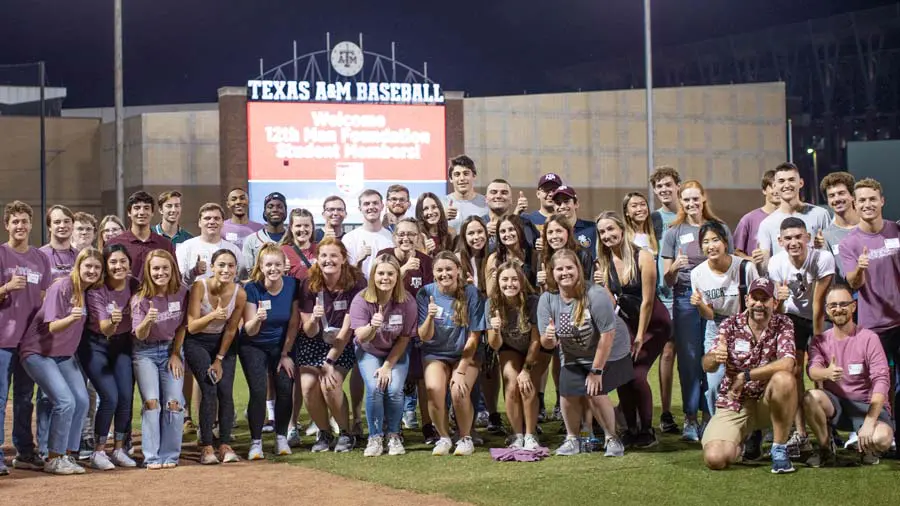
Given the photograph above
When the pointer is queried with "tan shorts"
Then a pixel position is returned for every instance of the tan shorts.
(735, 426)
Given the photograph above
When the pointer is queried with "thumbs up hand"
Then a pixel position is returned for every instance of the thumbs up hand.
(496, 322)
(200, 267)
(429, 244)
(783, 292)
(328, 231)
(539, 244)
(863, 261)
(366, 252)
(220, 313)
(759, 256)
(696, 298)
(681, 261)
(521, 204)
(550, 332)
(432, 307)
(287, 264)
(115, 315)
(152, 313)
(261, 314)
(451, 211)
(721, 350)
(377, 318)
(76, 313)
(318, 310)
(412, 264)
(819, 240)
(835, 372)
(542, 277)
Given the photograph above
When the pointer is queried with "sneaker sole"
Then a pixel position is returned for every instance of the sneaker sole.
(256, 457)
(783, 471)
(27, 467)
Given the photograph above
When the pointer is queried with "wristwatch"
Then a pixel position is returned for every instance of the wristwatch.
(329, 360)
(220, 358)
(596, 371)
(746, 375)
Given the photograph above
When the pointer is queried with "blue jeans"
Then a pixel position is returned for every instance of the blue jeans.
(161, 429)
(713, 379)
(689, 332)
(107, 364)
(11, 370)
(383, 408)
(63, 388)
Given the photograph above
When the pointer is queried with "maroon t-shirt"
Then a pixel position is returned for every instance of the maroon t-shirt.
(413, 280)
(38, 339)
(20, 306)
(337, 304)
(172, 314)
(61, 260)
(101, 302)
(138, 249)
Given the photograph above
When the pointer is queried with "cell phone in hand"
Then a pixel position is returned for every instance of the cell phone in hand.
(212, 375)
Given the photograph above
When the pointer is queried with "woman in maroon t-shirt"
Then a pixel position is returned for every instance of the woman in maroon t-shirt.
(297, 244)
(47, 352)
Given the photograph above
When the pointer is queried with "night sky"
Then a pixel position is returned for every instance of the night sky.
(183, 51)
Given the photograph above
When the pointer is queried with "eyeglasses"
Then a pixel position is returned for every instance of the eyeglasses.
(406, 234)
(335, 210)
(842, 305)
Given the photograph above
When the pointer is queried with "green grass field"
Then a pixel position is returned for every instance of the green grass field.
(671, 473)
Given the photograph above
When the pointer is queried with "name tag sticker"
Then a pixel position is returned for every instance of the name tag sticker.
(742, 346)
(174, 307)
(231, 236)
(33, 278)
(686, 238)
(265, 304)
(340, 305)
(836, 250)
(892, 243)
(855, 369)
(439, 314)
(395, 319)
(110, 307)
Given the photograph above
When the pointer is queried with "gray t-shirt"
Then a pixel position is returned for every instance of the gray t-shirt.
(833, 237)
(513, 336)
(815, 218)
(578, 345)
(686, 237)
(477, 206)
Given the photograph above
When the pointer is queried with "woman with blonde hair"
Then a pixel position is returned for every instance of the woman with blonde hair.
(158, 318)
(681, 252)
(383, 319)
(638, 225)
(47, 352)
(325, 350)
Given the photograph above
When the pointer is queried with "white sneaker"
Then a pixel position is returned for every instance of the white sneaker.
(464, 447)
(395, 445)
(852, 441)
(530, 442)
(375, 447)
(256, 451)
(442, 447)
(518, 442)
(335, 428)
(281, 446)
(59, 465)
(101, 462)
(77, 469)
(120, 458)
(293, 438)
(614, 448)
(312, 430)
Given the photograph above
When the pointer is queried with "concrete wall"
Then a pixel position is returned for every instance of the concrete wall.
(725, 136)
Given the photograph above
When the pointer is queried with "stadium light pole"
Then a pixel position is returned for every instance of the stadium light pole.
(648, 72)
(119, 114)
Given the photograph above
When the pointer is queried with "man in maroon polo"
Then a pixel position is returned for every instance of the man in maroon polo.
(140, 239)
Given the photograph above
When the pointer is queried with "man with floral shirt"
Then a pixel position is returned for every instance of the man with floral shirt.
(759, 389)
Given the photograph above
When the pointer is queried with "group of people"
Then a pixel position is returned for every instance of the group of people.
(445, 303)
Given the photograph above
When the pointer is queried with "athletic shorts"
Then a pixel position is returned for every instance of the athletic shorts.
(803, 331)
(849, 415)
(615, 374)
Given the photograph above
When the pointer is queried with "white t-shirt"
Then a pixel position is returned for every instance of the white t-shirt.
(815, 218)
(187, 253)
(359, 238)
(801, 281)
(477, 206)
(722, 291)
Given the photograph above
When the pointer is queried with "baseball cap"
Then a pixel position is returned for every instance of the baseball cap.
(566, 191)
(550, 178)
(764, 285)
(274, 196)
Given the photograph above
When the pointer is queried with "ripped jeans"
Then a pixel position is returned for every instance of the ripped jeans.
(162, 413)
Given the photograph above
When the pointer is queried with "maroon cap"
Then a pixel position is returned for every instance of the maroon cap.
(550, 179)
(564, 190)
(764, 285)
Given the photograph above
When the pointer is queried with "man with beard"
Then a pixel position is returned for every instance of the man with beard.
(334, 212)
(239, 226)
(397, 205)
(274, 212)
(849, 362)
(194, 255)
(547, 184)
(170, 223)
(59, 250)
(85, 230)
(802, 276)
(362, 243)
(870, 255)
(463, 201)
(838, 190)
(789, 183)
(759, 389)
(140, 240)
(748, 227)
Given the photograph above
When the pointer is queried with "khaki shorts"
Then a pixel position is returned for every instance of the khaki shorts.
(735, 426)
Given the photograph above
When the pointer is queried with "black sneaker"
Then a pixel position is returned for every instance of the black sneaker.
(667, 424)
(430, 434)
(646, 439)
(495, 424)
(628, 439)
(542, 415)
(753, 446)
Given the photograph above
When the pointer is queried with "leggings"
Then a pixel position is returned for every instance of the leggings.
(108, 365)
(200, 351)
(258, 361)
(635, 397)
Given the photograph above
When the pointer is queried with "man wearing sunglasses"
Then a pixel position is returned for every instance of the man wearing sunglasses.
(850, 364)
(802, 276)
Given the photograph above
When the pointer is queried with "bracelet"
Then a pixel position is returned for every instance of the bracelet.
(220, 357)
(329, 360)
